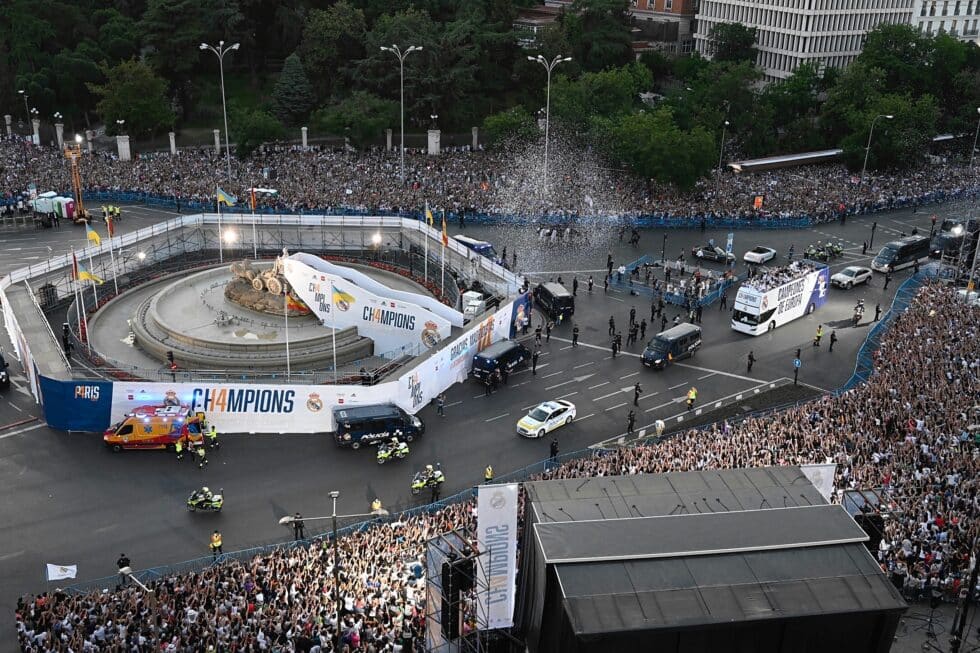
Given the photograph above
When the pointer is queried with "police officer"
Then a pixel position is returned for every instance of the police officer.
(441, 405)
(547, 330)
(833, 339)
(591, 283)
(643, 329)
(212, 437)
(122, 563)
(692, 396)
(750, 360)
(553, 450)
(179, 448)
(202, 456)
(534, 362)
(376, 505)
(575, 336)
(216, 545)
(818, 336)
(574, 286)
(630, 422)
(612, 325)
(488, 474)
(299, 528)
(637, 391)
(632, 315)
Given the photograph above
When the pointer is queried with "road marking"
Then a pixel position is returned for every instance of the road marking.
(455, 403)
(497, 417)
(517, 385)
(543, 365)
(667, 403)
(568, 395)
(584, 365)
(17, 408)
(593, 387)
(706, 376)
(564, 348)
(8, 556)
(579, 419)
(617, 406)
(674, 387)
(628, 376)
(611, 394)
(19, 431)
(531, 406)
(707, 369)
(606, 348)
(577, 379)
(553, 374)
(617, 299)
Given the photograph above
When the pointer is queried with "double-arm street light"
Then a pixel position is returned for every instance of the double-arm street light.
(395, 50)
(27, 112)
(867, 149)
(721, 151)
(548, 66)
(377, 511)
(220, 52)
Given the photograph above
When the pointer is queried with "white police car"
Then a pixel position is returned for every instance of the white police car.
(545, 418)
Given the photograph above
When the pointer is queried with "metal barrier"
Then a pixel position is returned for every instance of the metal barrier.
(674, 298)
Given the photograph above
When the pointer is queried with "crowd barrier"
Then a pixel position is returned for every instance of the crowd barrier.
(652, 221)
(676, 299)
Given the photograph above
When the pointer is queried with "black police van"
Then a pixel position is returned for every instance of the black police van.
(671, 345)
(371, 424)
(506, 354)
(555, 300)
(4, 374)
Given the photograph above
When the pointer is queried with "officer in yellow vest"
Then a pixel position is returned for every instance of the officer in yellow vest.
(488, 474)
(216, 544)
(692, 396)
(105, 212)
(212, 436)
(376, 505)
(179, 448)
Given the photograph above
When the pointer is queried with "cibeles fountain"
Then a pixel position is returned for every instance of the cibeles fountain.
(246, 315)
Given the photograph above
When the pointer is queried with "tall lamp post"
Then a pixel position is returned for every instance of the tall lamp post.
(395, 50)
(376, 511)
(548, 66)
(721, 151)
(27, 112)
(220, 52)
(973, 152)
(867, 149)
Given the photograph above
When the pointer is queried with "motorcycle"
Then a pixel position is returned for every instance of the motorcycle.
(858, 312)
(200, 500)
(389, 450)
(835, 249)
(421, 481)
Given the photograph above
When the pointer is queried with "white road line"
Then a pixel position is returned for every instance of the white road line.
(543, 365)
(617, 299)
(478, 396)
(593, 387)
(628, 376)
(553, 374)
(497, 417)
(666, 403)
(579, 419)
(617, 406)
(455, 403)
(517, 385)
(611, 394)
(558, 385)
(564, 348)
(674, 387)
(649, 396)
(568, 395)
(19, 431)
(706, 376)
(531, 406)
(729, 374)
(584, 365)
(17, 408)
(606, 348)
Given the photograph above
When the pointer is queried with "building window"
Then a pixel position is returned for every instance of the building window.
(932, 9)
(945, 8)
(668, 5)
(956, 8)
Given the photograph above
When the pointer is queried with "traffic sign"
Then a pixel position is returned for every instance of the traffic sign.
(797, 363)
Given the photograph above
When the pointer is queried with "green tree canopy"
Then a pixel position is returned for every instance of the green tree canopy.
(361, 116)
(292, 97)
(598, 33)
(896, 143)
(251, 128)
(332, 39)
(732, 42)
(132, 92)
(514, 123)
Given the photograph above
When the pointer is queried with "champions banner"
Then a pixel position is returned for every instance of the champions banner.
(391, 324)
(496, 525)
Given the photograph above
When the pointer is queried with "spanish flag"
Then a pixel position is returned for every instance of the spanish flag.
(445, 236)
(81, 274)
(109, 227)
(295, 304)
(92, 234)
(428, 214)
(251, 197)
(226, 199)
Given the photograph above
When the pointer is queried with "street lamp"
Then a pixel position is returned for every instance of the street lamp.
(377, 511)
(128, 573)
(974, 150)
(548, 66)
(434, 117)
(721, 152)
(395, 50)
(120, 124)
(27, 112)
(867, 149)
(57, 115)
(220, 52)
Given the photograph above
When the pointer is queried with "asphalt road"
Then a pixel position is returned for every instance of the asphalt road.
(67, 500)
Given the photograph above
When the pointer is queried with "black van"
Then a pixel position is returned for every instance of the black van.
(671, 345)
(555, 300)
(504, 354)
(371, 424)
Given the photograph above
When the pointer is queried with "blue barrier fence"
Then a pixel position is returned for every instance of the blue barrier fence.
(657, 220)
(862, 372)
(677, 299)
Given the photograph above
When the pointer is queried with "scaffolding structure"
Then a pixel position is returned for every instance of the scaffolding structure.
(454, 579)
(74, 154)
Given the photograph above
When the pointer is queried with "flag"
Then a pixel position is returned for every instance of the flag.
(92, 234)
(81, 274)
(58, 572)
(251, 197)
(341, 299)
(445, 236)
(226, 199)
(428, 215)
(109, 226)
(294, 304)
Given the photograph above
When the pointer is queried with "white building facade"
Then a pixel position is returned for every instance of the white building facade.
(793, 32)
(959, 18)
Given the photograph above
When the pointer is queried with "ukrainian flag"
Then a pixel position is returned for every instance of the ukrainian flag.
(92, 234)
(85, 275)
(428, 215)
(226, 199)
(341, 299)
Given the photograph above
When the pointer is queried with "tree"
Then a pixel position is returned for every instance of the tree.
(658, 65)
(132, 92)
(514, 123)
(118, 35)
(174, 53)
(361, 116)
(332, 39)
(607, 94)
(900, 52)
(598, 33)
(732, 42)
(252, 128)
(793, 106)
(897, 143)
(292, 97)
(654, 146)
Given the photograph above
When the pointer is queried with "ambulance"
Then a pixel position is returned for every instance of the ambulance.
(156, 427)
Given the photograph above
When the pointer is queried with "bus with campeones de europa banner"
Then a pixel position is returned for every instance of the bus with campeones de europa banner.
(780, 296)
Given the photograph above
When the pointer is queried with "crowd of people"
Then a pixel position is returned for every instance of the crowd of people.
(910, 437)
(503, 182)
(765, 279)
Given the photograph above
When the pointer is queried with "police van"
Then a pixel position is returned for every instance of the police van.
(555, 300)
(682, 341)
(372, 424)
(506, 354)
(902, 253)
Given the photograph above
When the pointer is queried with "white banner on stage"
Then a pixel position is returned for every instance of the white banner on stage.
(822, 477)
(496, 525)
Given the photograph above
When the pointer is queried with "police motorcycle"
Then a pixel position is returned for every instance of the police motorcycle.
(428, 479)
(816, 252)
(835, 249)
(858, 311)
(206, 500)
(392, 449)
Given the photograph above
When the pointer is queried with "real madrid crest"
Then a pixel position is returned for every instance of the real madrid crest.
(314, 403)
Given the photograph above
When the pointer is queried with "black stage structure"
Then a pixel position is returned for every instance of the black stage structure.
(722, 560)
